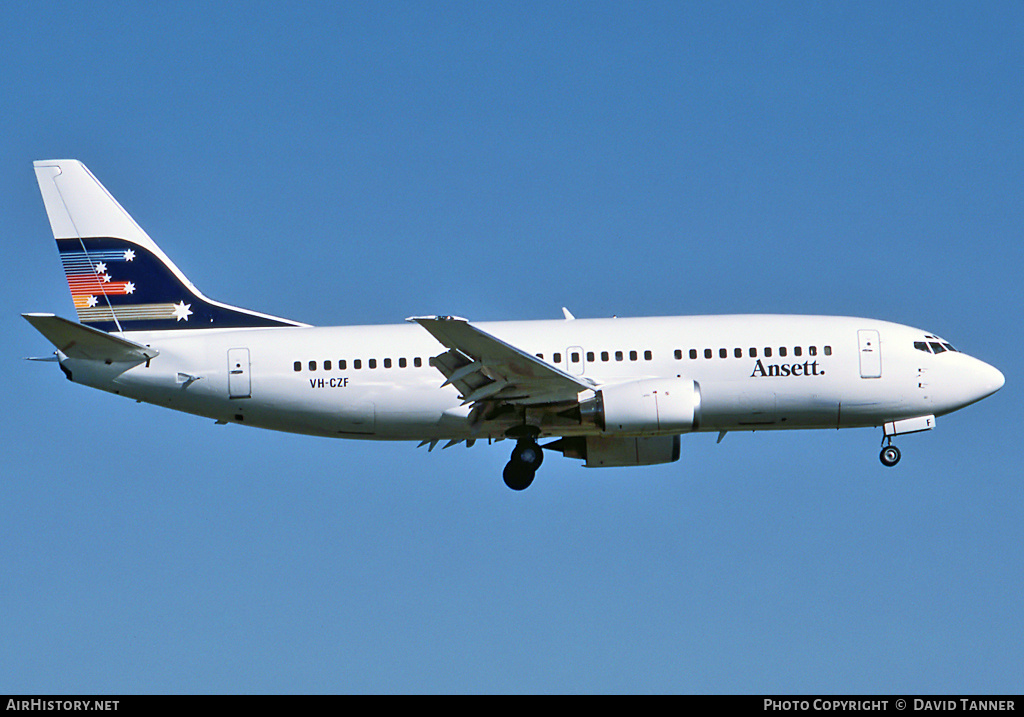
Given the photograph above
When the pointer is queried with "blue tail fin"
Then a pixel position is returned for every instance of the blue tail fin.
(119, 278)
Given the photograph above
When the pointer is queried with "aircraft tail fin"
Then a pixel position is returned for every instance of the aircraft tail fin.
(119, 278)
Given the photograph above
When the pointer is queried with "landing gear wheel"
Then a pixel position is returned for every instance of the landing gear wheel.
(518, 476)
(526, 459)
(889, 456)
(528, 454)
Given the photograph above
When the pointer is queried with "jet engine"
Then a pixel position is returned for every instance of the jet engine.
(657, 406)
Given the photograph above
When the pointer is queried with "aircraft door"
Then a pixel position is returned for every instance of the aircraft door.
(239, 385)
(870, 353)
(574, 361)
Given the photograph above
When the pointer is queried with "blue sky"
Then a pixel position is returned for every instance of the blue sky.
(354, 162)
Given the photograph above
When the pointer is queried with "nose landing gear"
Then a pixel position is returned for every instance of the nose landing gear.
(890, 454)
(521, 468)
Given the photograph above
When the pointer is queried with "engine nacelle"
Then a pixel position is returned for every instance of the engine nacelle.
(619, 451)
(656, 406)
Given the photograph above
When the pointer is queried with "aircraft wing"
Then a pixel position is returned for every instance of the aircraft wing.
(485, 368)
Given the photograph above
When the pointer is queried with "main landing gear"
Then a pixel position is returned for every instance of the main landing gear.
(526, 459)
(890, 454)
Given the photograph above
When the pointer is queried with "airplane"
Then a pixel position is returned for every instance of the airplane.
(607, 391)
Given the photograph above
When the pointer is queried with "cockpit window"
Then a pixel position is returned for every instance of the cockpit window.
(937, 346)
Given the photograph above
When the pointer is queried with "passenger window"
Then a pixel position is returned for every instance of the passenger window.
(357, 363)
(540, 356)
(782, 351)
(557, 358)
(678, 354)
(828, 350)
(767, 351)
(341, 364)
(297, 365)
(723, 353)
(604, 355)
(417, 362)
(708, 353)
(372, 363)
(387, 363)
(402, 363)
(574, 357)
(797, 351)
(590, 356)
(312, 365)
(618, 355)
(327, 365)
(753, 352)
(632, 355)
(648, 356)
(738, 353)
(693, 353)
(812, 350)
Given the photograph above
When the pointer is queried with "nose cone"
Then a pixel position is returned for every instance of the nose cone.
(988, 380)
(963, 380)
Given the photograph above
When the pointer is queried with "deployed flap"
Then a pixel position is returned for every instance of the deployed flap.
(82, 342)
(483, 367)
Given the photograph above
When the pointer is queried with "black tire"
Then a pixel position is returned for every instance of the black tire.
(528, 454)
(517, 476)
(889, 456)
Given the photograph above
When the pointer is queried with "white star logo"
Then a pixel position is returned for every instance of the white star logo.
(182, 311)
(129, 288)
(101, 268)
(91, 301)
(129, 255)
(105, 278)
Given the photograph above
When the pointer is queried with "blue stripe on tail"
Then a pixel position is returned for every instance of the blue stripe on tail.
(117, 285)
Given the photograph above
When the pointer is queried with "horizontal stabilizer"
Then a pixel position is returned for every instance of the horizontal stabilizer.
(82, 342)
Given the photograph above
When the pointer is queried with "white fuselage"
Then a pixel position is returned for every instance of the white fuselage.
(376, 382)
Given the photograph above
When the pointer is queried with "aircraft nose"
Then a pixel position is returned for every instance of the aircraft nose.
(992, 378)
(986, 380)
(969, 380)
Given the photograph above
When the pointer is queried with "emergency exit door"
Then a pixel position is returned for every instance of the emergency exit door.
(574, 363)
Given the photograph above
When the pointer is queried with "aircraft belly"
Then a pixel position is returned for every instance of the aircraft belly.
(725, 407)
(382, 412)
